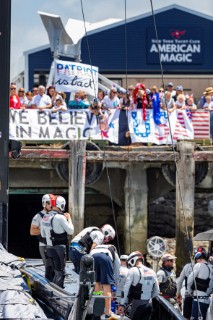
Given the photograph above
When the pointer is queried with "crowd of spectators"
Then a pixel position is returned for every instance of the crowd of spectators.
(135, 97)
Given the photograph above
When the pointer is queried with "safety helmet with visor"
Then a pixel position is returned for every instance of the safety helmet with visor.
(60, 203)
(200, 252)
(133, 258)
(46, 199)
(109, 232)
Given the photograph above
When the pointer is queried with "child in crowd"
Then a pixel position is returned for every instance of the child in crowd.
(180, 103)
(59, 106)
(208, 105)
(102, 117)
(190, 105)
(29, 96)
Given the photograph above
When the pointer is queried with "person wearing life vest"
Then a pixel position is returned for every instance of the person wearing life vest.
(183, 281)
(166, 277)
(107, 265)
(141, 286)
(87, 240)
(55, 227)
(123, 272)
(35, 230)
(200, 285)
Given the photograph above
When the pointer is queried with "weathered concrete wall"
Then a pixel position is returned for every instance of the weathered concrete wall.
(162, 214)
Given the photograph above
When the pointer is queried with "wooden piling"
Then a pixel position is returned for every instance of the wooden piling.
(136, 208)
(77, 170)
(185, 186)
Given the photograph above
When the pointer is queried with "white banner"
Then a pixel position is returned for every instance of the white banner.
(72, 76)
(148, 131)
(83, 124)
(72, 124)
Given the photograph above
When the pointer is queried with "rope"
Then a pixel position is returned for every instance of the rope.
(104, 155)
(177, 169)
(129, 139)
(88, 47)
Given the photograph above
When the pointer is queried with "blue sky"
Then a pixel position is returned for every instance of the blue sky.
(27, 31)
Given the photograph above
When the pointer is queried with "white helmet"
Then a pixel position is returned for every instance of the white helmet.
(133, 257)
(46, 198)
(60, 203)
(109, 232)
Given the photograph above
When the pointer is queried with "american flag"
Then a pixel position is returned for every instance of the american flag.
(180, 129)
(201, 124)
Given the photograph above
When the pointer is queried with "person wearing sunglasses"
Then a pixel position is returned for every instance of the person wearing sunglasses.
(23, 98)
(166, 277)
(14, 98)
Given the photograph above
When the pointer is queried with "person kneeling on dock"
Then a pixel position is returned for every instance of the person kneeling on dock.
(87, 240)
(55, 229)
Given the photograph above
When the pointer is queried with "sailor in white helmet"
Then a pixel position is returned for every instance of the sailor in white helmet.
(141, 286)
(86, 240)
(107, 265)
(35, 230)
(55, 228)
(123, 272)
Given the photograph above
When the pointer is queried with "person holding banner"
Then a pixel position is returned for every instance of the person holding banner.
(41, 100)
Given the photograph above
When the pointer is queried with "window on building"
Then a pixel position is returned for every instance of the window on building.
(41, 77)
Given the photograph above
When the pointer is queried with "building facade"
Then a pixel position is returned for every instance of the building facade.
(185, 40)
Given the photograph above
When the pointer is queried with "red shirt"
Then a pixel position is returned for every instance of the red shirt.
(15, 102)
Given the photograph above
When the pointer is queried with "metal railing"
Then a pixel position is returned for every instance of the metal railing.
(164, 310)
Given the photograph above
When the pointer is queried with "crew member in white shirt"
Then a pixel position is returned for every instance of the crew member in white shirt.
(35, 230)
(202, 276)
(88, 239)
(55, 229)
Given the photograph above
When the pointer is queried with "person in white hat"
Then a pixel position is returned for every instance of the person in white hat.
(166, 277)
(123, 273)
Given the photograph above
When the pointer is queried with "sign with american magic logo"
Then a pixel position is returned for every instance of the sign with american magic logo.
(176, 45)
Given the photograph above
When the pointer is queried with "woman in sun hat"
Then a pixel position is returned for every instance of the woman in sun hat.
(208, 92)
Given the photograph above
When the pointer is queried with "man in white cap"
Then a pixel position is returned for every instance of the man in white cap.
(123, 273)
(166, 277)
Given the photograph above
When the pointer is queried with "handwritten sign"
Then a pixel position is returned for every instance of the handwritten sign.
(72, 76)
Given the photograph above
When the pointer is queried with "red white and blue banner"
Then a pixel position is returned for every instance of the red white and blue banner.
(72, 76)
(83, 124)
